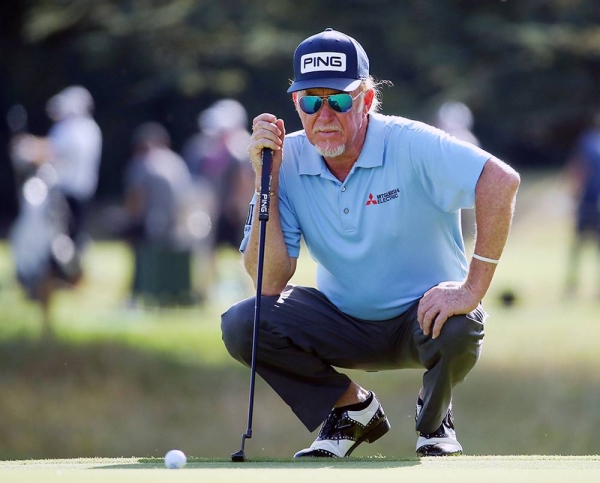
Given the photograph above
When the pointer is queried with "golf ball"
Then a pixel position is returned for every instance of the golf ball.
(175, 459)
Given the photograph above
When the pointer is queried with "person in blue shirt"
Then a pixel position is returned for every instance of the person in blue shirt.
(377, 201)
(583, 169)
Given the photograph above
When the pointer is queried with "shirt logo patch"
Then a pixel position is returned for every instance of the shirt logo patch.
(383, 197)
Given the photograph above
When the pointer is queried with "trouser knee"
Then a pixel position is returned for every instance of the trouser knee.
(237, 328)
(460, 343)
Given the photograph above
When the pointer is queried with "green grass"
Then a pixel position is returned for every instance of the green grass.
(463, 470)
(119, 382)
(98, 310)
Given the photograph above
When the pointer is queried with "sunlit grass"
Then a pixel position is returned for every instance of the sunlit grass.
(99, 309)
(493, 469)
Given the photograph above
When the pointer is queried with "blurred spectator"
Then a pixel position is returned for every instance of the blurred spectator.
(76, 144)
(456, 119)
(158, 191)
(217, 155)
(583, 170)
(57, 177)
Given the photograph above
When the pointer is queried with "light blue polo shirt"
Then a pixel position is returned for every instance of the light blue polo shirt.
(391, 230)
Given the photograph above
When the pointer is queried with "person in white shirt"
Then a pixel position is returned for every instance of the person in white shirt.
(74, 149)
(59, 176)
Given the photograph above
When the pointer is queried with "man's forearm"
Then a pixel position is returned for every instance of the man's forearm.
(278, 266)
(495, 196)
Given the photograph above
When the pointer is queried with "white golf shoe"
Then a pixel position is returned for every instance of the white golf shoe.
(442, 442)
(344, 430)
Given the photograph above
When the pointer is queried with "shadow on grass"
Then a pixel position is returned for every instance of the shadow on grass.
(276, 463)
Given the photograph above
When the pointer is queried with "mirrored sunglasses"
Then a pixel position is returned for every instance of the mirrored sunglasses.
(338, 102)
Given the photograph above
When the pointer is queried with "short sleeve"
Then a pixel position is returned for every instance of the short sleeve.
(447, 167)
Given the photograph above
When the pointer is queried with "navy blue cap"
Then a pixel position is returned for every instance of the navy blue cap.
(330, 60)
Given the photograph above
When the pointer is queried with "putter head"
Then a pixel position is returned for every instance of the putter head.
(238, 457)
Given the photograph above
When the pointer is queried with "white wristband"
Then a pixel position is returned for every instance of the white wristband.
(485, 259)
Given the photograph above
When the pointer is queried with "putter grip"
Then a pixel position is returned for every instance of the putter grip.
(265, 184)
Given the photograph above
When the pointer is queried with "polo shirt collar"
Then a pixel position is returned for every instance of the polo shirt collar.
(371, 154)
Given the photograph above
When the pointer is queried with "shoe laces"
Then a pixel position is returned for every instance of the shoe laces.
(333, 426)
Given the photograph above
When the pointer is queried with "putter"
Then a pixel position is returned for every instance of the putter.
(263, 217)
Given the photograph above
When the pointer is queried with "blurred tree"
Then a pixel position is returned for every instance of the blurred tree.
(530, 71)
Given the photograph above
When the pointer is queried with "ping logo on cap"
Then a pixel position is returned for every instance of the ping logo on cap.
(323, 61)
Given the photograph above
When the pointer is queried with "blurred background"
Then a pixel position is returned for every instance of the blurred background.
(109, 327)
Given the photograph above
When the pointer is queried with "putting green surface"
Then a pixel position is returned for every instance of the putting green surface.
(464, 469)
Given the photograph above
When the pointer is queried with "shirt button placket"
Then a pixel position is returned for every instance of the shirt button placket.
(346, 210)
(346, 222)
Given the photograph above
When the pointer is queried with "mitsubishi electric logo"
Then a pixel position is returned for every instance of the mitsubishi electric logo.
(383, 197)
(322, 61)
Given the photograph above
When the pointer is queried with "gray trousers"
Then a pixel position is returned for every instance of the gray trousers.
(303, 336)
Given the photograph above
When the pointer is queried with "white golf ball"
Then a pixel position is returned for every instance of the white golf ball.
(175, 459)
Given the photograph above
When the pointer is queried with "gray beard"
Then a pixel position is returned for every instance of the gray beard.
(331, 153)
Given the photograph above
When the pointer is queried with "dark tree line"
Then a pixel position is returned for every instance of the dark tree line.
(530, 70)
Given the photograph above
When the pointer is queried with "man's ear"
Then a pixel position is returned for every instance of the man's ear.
(295, 100)
(369, 96)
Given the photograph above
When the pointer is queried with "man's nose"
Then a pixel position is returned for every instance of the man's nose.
(326, 111)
